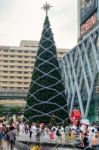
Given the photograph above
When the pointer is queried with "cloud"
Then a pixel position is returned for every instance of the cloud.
(23, 19)
(6, 8)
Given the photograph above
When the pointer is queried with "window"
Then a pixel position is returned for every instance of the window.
(26, 83)
(25, 88)
(61, 53)
(6, 50)
(5, 55)
(11, 82)
(19, 72)
(19, 77)
(11, 87)
(19, 83)
(19, 61)
(26, 72)
(19, 66)
(25, 77)
(12, 51)
(5, 71)
(12, 61)
(19, 88)
(12, 66)
(5, 87)
(5, 61)
(19, 56)
(12, 77)
(25, 56)
(20, 51)
(4, 82)
(26, 67)
(12, 56)
(26, 62)
(26, 51)
(5, 66)
(5, 77)
(12, 71)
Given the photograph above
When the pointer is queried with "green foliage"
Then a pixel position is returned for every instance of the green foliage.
(2, 108)
(15, 110)
(9, 111)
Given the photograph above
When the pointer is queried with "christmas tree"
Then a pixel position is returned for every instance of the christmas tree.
(46, 93)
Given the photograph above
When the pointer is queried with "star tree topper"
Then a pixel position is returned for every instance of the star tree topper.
(46, 7)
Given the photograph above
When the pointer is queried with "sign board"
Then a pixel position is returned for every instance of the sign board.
(87, 9)
(88, 24)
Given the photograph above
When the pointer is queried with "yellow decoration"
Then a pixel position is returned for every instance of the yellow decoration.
(36, 147)
(72, 136)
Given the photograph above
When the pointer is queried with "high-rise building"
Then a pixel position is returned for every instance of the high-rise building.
(16, 66)
(88, 16)
(80, 67)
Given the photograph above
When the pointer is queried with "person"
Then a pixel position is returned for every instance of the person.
(95, 142)
(85, 140)
(81, 137)
(12, 137)
(22, 128)
(91, 135)
(7, 138)
(33, 130)
(26, 128)
(58, 133)
(37, 133)
(30, 132)
(1, 138)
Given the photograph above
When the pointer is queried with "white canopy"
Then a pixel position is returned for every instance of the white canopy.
(85, 121)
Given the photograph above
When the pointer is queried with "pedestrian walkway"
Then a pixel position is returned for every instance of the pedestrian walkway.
(44, 141)
(7, 148)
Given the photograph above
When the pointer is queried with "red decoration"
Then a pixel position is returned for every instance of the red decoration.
(75, 116)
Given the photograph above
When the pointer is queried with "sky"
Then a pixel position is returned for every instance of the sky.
(23, 20)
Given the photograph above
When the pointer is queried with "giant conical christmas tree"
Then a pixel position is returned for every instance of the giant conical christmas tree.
(46, 93)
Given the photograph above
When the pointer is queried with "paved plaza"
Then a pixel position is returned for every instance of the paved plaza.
(7, 148)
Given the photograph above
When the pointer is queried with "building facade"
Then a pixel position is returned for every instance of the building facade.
(80, 67)
(88, 16)
(16, 66)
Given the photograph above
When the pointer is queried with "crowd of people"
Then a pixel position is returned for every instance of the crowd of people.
(81, 135)
(7, 136)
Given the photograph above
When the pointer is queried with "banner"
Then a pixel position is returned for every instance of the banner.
(88, 24)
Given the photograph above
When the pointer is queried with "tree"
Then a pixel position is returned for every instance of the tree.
(2, 109)
(15, 110)
(46, 93)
